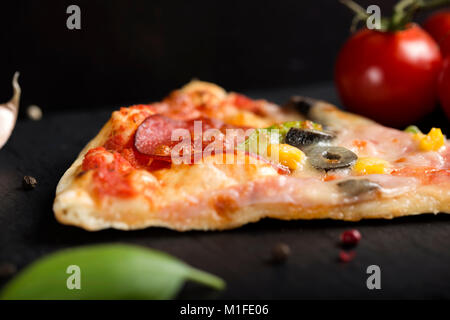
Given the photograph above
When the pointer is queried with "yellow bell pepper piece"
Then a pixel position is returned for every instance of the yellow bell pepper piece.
(432, 141)
(286, 154)
(368, 165)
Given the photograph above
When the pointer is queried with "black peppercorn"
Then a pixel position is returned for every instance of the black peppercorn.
(280, 253)
(29, 182)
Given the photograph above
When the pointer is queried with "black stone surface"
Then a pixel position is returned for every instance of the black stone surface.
(413, 253)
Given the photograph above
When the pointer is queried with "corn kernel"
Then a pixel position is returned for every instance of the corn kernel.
(432, 141)
(367, 165)
(287, 155)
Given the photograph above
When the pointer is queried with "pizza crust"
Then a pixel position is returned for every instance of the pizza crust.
(218, 197)
(217, 213)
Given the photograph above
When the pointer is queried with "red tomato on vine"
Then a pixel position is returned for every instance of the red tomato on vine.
(389, 75)
(438, 26)
(444, 86)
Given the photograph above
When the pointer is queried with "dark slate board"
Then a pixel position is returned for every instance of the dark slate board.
(413, 253)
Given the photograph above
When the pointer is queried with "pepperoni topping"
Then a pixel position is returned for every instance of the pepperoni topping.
(154, 136)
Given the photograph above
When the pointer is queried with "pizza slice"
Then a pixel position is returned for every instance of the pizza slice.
(206, 159)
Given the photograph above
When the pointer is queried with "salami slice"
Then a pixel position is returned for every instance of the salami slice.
(154, 136)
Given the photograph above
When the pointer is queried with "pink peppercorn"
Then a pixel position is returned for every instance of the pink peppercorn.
(346, 256)
(350, 237)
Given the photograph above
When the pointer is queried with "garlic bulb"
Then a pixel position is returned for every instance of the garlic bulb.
(8, 113)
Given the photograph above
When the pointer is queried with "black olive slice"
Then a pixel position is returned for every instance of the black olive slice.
(301, 138)
(300, 104)
(356, 187)
(330, 157)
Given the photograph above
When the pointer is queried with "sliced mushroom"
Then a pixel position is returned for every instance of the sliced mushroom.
(356, 187)
(302, 138)
(8, 113)
(330, 157)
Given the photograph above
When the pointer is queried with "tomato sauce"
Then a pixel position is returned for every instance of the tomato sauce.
(113, 163)
(111, 172)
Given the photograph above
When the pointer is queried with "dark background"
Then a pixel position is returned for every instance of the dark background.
(138, 51)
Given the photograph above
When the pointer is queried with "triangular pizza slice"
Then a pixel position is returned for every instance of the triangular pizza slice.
(206, 159)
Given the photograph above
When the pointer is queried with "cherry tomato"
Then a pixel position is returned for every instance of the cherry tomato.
(444, 86)
(445, 46)
(438, 26)
(389, 76)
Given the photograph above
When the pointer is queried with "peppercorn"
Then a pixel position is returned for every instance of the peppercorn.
(280, 253)
(350, 237)
(346, 256)
(34, 113)
(29, 182)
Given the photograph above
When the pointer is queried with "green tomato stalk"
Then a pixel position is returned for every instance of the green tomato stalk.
(403, 14)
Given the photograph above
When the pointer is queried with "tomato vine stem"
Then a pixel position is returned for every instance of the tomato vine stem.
(403, 14)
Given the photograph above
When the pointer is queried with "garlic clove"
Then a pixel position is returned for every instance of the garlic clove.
(8, 112)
